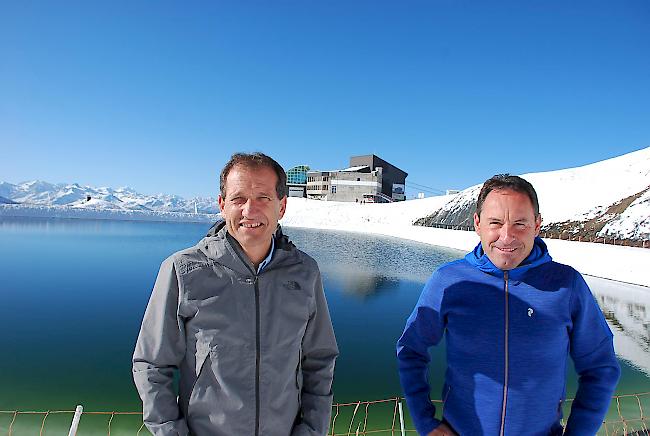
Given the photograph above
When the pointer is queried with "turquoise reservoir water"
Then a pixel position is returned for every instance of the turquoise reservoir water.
(73, 293)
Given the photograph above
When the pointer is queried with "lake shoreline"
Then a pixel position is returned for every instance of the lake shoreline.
(614, 262)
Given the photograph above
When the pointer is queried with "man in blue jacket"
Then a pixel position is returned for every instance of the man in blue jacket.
(510, 317)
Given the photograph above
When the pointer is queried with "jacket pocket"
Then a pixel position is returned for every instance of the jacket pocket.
(204, 345)
(445, 397)
(204, 354)
(299, 376)
(557, 429)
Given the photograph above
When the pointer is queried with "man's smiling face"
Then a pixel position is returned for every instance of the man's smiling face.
(251, 207)
(507, 227)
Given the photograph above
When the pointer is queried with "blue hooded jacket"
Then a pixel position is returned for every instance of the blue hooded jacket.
(508, 335)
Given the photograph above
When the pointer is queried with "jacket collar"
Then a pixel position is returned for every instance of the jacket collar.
(221, 247)
(538, 256)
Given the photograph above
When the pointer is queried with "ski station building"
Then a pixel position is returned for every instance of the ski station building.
(368, 179)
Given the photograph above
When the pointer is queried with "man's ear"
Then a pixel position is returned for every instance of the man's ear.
(221, 202)
(476, 222)
(538, 223)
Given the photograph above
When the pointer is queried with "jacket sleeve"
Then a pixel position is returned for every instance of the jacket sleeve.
(592, 351)
(319, 352)
(158, 352)
(424, 329)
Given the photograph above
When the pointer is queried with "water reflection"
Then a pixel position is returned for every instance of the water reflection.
(367, 264)
(362, 284)
(626, 308)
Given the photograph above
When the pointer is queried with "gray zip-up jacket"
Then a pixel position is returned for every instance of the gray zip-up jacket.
(255, 352)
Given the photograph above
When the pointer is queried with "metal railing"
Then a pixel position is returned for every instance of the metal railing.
(624, 422)
(386, 417)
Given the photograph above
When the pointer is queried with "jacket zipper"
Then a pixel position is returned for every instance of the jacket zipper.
(505, 379)
(257, 358)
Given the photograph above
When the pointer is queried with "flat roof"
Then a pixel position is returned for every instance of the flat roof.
(350, 170)
(357, 168)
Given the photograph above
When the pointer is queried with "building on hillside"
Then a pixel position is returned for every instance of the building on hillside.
(297, 181)
(368, 179)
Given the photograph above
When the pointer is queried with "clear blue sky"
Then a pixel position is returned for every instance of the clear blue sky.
(156, 95)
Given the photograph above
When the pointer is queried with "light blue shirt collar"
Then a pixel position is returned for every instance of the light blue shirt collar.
(268, 257)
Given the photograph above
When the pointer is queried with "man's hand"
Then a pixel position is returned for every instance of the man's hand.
(442, 430)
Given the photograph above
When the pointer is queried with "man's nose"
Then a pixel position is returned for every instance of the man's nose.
(506, 233)
(248, 207)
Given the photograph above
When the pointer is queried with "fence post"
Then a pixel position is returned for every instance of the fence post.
(401, 417)
(75, 420)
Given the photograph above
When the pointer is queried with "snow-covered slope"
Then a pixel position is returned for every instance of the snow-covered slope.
(581, 192)
(332, 215)
(634, 221)
(612, 197)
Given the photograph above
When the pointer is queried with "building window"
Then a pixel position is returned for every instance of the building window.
(333, 189)
(297, 175)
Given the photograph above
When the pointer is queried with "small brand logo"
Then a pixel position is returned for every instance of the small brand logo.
(291, 285)
(530, 311)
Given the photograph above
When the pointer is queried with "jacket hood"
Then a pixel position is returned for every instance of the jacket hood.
(215, 228)
(538, 256)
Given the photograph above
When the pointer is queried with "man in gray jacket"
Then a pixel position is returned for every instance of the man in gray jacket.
(242, 317)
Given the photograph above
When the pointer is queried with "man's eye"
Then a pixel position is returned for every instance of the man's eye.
(237, 200)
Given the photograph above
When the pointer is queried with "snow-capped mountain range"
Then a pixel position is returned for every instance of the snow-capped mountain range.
(609, 198)
(39, 193)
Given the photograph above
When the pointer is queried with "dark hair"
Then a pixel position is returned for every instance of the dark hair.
(255, 160)
(506, 181)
